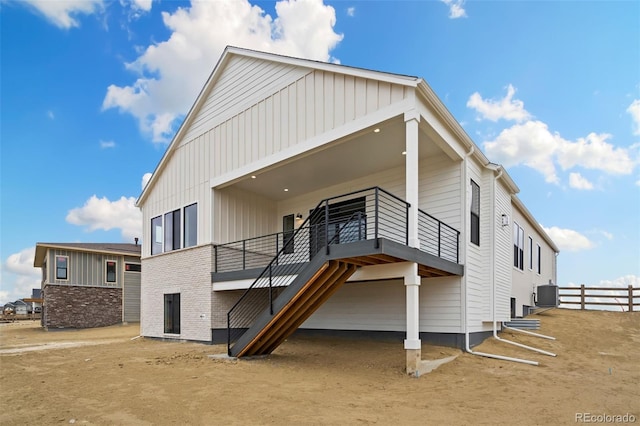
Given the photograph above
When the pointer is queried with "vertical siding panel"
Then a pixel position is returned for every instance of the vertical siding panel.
(223, 150)
(339, 102)
(262, 130)
(284, 118)
(235, 142)
(268, 120)
(309, 106)
(360, 94)
(349, 99)
(255, 134)
(248, 144)
(301, 115)
(372, 96)
(319, 101)
(397, 93)
(328, 101)
(242, 139)
(277, 124)
(384, 94)
(293, 128)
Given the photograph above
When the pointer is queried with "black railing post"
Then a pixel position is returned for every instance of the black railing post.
(359, 226)
(278, 245)
(244, 254)
(229, 333)
(377, 210)
(439, 237)
(270, 290)
(458, 247)
(326, 225)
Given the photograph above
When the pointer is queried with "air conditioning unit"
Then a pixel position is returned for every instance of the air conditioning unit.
(547, 296)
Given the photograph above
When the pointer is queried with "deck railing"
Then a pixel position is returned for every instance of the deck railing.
(383, 215)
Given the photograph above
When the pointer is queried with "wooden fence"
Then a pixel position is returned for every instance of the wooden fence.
(615, 296)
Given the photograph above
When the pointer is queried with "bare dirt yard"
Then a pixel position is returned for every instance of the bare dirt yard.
(104, 377)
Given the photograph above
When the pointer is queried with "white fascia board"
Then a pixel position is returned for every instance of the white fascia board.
(527, 214)
(295, 151)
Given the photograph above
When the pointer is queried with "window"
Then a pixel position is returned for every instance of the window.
(191, 225)
(539, 259)
(475, 213)
(62, 265)
(156, 235)
(287, 233)
(110, 266)
(518, 246)
(132, 267)
(530, 253)
(172, 230)
(172, 313)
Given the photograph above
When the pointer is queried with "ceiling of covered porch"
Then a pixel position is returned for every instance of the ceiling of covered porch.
(371, 150)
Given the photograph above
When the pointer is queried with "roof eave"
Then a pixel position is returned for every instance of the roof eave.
(527, 214)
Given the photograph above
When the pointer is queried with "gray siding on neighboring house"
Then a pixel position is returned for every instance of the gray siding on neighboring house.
(131, 295)
(84, 269)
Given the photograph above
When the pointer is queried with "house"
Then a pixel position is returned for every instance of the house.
(22, 308)
(9, 308)
(88, 285)
(305, 195)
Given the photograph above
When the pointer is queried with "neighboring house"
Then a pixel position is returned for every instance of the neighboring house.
(293, 177)
(89, 284)
(9, 308)
(22, 307)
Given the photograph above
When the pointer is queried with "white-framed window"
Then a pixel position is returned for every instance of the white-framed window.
(110, 271)
(191, 225)
(530, 253)
(518, 246)
(156, 235)
(62, 268)
(539, 259)
(475, 213)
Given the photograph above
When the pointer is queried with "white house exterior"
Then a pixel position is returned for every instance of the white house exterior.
(420, 237)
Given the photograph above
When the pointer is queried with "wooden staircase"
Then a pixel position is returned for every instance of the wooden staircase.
(310, 293)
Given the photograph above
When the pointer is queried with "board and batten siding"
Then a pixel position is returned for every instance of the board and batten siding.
(440, 189)
(84, 269)
(503, 250)
(477, 262)
(239, 215)
(524, 282)
(381, 306)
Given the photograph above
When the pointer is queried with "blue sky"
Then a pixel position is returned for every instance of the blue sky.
(92, 91)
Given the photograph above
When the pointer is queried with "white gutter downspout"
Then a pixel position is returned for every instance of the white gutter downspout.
(466, 292)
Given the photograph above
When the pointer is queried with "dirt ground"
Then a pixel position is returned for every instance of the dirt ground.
(108, 377)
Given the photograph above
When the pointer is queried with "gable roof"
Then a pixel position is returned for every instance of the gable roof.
(418, 83)
(122, 249)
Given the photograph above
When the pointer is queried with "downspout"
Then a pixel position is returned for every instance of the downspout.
(466, 288)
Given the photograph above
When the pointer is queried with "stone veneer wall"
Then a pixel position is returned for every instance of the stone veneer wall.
(68, 306)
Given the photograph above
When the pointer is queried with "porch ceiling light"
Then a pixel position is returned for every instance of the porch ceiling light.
(376, 130)
(286, 190)
(404, 152)
(253, 176)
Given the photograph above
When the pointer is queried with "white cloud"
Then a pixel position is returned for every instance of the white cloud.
(171, 73)
(51, 115)
(101, 213)
(568, 239)
(142, 5)
(634, 111)
(145, 179)
(26, 278)
(107, 144)
(351, 11)
(506, 108)
(64, 13)
(455, 8)
(532, 144)
(577, 181)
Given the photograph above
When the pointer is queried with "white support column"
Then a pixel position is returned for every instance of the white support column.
(411, 119)
(412, 343)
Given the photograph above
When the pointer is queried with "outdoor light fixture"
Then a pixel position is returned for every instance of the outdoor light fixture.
(376, 130)
(299, 216)
(253, 176)
(505, 219)
(286, 190)
(404, 152)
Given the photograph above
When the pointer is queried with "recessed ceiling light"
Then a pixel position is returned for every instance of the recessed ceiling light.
(404, 152)
(253, 176)
(286, 190)
(376, 130)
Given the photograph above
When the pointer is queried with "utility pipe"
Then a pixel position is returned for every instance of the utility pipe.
(464, 279)
(531, 333)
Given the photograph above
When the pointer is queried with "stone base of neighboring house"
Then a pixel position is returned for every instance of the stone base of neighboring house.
(81, 307)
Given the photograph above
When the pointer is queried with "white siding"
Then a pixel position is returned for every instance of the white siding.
(503, 254)
(524, 282)
(440, 189)
(238, 215)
